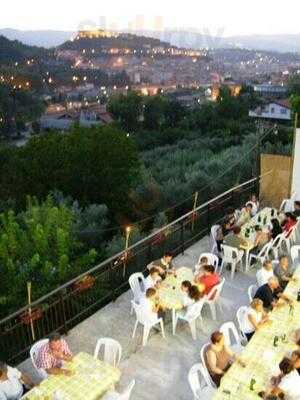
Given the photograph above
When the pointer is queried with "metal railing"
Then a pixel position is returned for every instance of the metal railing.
(76, 300)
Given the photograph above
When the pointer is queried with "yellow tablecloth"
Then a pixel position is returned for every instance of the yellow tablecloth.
(260, 355)
(91, 379)
(170, 295)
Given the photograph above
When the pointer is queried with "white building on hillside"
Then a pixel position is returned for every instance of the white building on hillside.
(276, 110)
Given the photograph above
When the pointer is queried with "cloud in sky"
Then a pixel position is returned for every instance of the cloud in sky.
(235, 16)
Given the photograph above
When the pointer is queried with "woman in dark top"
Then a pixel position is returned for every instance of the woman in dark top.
(276, 228)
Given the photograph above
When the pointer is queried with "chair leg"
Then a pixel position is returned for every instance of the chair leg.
(145, 335)
(193, 329)
(213, 311)
(162, 328)
(134, 330)
(175, 323)
(233, 267)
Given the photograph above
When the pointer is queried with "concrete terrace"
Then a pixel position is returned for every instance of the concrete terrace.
(160, 369)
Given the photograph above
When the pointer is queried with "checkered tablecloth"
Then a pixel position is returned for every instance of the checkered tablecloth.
(260, 355)
(170, 295)
(91, 379)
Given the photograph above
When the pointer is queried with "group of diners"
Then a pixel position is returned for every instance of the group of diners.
(205, 279)
(51, 356)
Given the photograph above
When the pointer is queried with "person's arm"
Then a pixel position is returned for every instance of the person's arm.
(253, 322)
(26, 379)
(212, 363)
(58, 371)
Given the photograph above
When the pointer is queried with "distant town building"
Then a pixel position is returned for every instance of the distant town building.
(270, 90)
(277, 110)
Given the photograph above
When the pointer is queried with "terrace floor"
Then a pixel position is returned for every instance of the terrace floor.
(160, 369)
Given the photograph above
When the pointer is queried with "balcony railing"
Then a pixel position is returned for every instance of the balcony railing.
(70, 304)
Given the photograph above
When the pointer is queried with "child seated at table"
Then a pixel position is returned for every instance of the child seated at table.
(153, 279)
(190, 296)
(208, 279)
(199, 267)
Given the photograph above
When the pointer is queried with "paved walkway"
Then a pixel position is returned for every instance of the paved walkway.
(160, 369)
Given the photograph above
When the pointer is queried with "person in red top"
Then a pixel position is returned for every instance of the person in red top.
(209, 278)
(289, 222)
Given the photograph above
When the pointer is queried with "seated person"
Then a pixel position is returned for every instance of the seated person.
(297, 209)
(150, 305)
(282, 271)
(11, 382)
(276, 228)
(288, 223)
(246, 214)
(265, 273)
(235, 239)
(289, 379)
(272, 394)
(230, 217)
(255, 204)
(261, 238)
(218, 357)
(164, 265)
(52, 354)
(191, 295)
(152, 279)
(223, 231)
(254, 318)
(209, 279)
(270, 293)
(199, 267)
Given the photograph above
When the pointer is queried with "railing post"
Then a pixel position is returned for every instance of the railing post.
(208, 217)
(182, 236)
(63, 308)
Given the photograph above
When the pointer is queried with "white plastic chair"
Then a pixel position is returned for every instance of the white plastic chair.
(295, 250)
(112, 351)
(213, 298)
(203, 350)
(135, 282)
(232, 337)
(287, 205)
(192, 314)
(263, 255)
(212, 260)
(252, 291)
(146, 322)
(200, 383)
(33, 356)
(120, 396)
(232, 256)
(278, 244)
(213, 236)
(240, 315)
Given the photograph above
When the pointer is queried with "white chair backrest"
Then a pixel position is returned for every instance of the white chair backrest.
(34, 353)
(229, 253)
(195, 309)
(252, 291)
(141, 317)
(135, 281)
(230, 333)
(127, 392)
(215, 292)
(212, 259)
(264, 252)
(240, 315)
(278, 241)
(295, 250)
(112, 351)
(198, 379)
(213, 237)
(203, 350)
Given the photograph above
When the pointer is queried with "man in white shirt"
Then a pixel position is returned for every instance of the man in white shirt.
(265, 273)
(152, 279)
(290, 380)
(11, 379)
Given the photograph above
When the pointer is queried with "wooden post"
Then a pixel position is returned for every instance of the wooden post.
(293, 154)
(29, 309)
(127, 236)
(194, 210)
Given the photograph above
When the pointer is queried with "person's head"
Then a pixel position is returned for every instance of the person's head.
(290, 216)
(154, 273)
(284, 262)
(267, 265)
(275, 223)
(150, 293)
(273, 283)
(3, 368)
(194, 293)
(217, 338)
(286, 366)
(230, 212)
(249, 207)
(236, 230)
(54, 341)
(227, 224)
(168, 257)
(257, 305)
(185, 286)
(203, 260)
(253, 198)
(258, 228)
(209, 269)
(297, 205)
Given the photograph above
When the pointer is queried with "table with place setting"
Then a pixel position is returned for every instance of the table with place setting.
(90, 380)
(265, 350)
